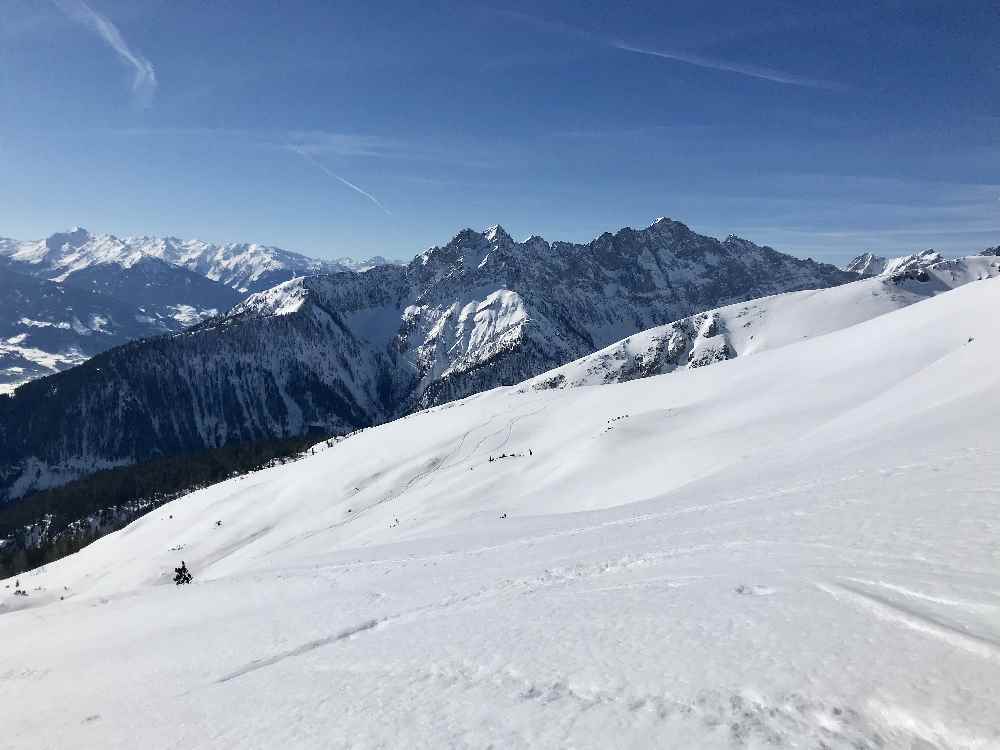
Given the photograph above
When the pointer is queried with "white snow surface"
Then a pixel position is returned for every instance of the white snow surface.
(794, 549)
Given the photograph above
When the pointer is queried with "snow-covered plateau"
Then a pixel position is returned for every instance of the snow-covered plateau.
(797, 548)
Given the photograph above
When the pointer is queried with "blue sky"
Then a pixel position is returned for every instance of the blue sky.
(346, 128)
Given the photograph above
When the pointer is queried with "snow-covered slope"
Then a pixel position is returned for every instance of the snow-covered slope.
(339, 351)
(793, 549)
(766, 323)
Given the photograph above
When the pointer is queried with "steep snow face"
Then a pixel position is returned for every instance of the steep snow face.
(244, 267)
(793, 549)
(763, 324)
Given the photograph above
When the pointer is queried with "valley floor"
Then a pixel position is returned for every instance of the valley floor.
(799, 548)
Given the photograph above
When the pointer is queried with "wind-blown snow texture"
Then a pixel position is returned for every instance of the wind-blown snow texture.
(791, 549)
(336, 352)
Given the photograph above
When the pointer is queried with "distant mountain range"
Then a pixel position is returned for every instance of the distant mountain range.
(336, 351)
(78, 294)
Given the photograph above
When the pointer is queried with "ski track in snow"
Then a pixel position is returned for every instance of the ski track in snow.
(915, 618)
(299, 650)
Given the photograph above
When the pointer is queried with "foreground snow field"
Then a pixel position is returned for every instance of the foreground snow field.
(799, 548)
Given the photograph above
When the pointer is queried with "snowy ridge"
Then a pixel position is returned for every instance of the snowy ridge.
(868, 264)
(792, 549)
(767, 323)
(244, 267)
(283, 299)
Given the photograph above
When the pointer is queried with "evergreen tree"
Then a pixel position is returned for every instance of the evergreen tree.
(181, 574)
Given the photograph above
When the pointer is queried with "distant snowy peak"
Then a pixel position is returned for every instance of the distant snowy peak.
(366, 264)
(244, 267)
(992, 251)
(868, 264)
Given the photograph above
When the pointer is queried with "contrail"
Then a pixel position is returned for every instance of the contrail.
(701, 61)
(144, 80)
(340, 179)
(766, 74)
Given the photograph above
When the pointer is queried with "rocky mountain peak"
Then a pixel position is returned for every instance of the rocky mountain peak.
(74, 237)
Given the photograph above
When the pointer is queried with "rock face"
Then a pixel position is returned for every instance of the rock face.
(339, 351)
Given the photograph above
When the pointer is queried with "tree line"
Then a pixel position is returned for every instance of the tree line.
(45, 526)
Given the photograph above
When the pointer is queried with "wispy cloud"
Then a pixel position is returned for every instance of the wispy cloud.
(144, 77)
(688, 58)
(315, 142)
(361, 191)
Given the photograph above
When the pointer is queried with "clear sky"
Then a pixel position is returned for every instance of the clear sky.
(355, 128)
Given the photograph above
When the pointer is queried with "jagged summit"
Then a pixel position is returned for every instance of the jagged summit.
(496, 233)
(866, 264)
(74, 237)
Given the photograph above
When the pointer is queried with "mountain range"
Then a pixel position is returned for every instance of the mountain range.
(334, 352)
(113, 290)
